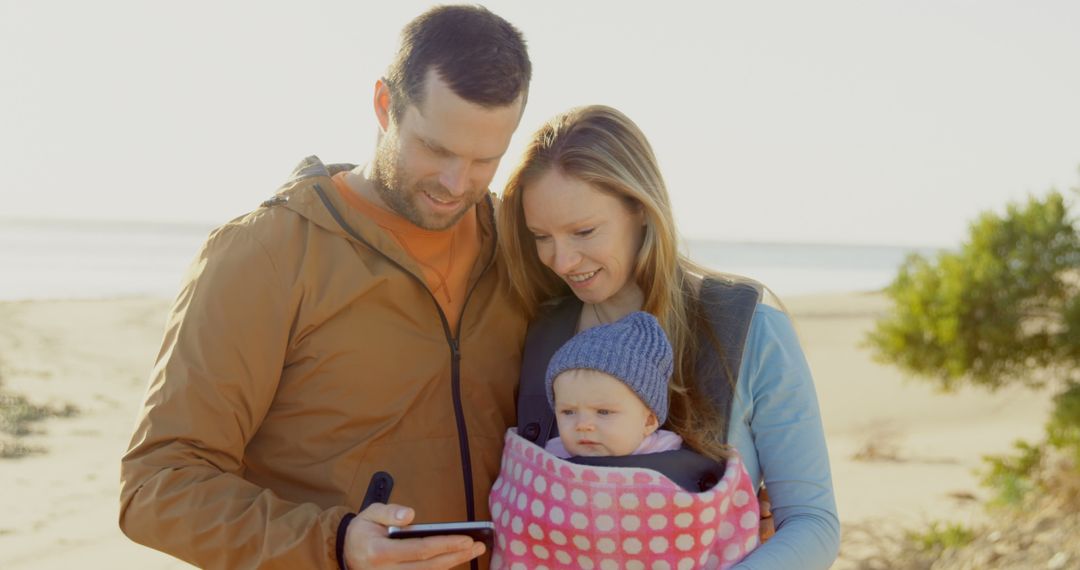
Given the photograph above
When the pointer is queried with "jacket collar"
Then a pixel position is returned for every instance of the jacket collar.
(310, 192)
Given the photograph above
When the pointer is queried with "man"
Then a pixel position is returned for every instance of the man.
(355, 323)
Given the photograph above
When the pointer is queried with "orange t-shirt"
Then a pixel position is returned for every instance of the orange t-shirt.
(446, 257)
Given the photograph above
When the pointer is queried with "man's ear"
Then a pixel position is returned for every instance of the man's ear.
(651, 424)
(382, 104)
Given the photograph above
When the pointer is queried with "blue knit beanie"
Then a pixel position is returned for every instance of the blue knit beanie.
(633, 349)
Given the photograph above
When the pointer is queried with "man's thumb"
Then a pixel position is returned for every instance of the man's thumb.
(388, 515)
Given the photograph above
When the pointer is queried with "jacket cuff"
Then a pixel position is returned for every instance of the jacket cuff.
(339, 547)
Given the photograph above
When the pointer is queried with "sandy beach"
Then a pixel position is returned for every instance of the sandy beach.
(919, 448)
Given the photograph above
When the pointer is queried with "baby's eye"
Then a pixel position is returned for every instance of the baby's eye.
(604, 412)
(566, 412)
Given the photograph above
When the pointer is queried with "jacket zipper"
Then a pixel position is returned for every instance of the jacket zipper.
(453, 342)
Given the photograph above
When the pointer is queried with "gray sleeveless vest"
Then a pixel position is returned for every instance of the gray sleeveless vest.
(730, 309)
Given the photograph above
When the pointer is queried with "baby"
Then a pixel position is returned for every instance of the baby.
(609, 389)
(588, 499)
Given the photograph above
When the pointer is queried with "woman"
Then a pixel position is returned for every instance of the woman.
(587, 213)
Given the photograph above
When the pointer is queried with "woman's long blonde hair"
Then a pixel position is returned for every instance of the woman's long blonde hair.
(604, 148)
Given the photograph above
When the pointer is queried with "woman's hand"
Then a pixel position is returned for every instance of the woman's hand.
(367, 546)
(767, 528)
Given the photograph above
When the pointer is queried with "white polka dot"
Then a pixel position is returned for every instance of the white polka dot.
(722, 487)
(683, 499)
(655, 501)
(609, 564)
(708, 536)
(502, 541)
(635, 565)
(727, 530)
(517, 470)
(518, 566)
(602, 500)
(628, 501)
(658, 545)
(657, 522)
(527, 479)
(522, 500)
(517, 525)
(708, 515)
(504, 491)
(542, 567)
(578, 497)
(714, 561)
(540, 484)
(684, 542)
(540, 552)
(631, 546)
(740, 498)
(585, 563)
(496, 510)
(562, 557)
(725, 506)
(683, 520)
(535, 531)
(661, 565)
(556, 515)
(749, 520)
(496, 560)
(605, 545)
(582, 542)
(605, 523)
(513, 494)
(537, 508)
(579, 521)
(686, 564)
(506, 517)
(703, 559)
(751, 542)
(731, 552)
(557, 537)
(631, 523)
(517, 547)
(558, 491)
(707, 497)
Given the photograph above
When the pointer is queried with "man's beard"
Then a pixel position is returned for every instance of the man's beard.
(388, 177)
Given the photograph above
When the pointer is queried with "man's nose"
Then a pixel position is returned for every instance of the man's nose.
(455, 176)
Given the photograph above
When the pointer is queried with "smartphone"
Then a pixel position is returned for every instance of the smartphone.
(480, 531)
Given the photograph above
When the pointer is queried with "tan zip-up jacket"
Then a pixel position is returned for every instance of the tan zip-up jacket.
(298, 361)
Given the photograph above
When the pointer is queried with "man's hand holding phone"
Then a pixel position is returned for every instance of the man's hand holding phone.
(368, 546)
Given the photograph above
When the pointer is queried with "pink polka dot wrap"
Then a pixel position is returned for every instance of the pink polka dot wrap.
(550, 513)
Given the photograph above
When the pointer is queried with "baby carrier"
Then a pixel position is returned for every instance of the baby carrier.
(628, 504)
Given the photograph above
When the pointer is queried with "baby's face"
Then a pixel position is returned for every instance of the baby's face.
(599, 415)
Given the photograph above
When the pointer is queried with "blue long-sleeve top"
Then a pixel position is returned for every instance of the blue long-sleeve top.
(776, 427)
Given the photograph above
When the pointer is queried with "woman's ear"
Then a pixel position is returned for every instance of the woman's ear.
(382, 104)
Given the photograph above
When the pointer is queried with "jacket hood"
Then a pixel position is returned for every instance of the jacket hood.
(311, 193)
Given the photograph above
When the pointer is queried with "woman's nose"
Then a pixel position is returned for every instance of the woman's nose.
(564, 258)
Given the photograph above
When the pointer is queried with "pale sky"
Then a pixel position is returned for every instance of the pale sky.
(827, 121)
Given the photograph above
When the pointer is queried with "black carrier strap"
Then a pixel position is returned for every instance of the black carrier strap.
(730, 306)
(546, 334)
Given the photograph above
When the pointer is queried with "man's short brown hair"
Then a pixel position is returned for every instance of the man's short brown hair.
(480, 56)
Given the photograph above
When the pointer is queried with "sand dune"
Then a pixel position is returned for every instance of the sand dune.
(60, 505)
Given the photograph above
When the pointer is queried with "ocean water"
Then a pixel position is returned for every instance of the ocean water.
(89, 260)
